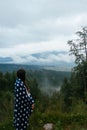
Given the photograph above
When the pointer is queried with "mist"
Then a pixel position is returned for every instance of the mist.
(49, 90)
(47, 87)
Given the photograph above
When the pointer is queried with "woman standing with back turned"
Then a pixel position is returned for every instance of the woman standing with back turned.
(23, 102)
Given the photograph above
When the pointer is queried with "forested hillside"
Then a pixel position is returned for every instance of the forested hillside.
(44, 78)
(65, 108)
(37, 79)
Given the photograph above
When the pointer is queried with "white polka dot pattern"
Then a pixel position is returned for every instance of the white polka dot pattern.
(22, 106)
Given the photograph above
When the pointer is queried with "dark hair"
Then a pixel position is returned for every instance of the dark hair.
(21, 74)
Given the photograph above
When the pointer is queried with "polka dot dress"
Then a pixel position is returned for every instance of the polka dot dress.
(22, 106)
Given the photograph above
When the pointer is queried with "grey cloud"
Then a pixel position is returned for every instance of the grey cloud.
(6, 60)
(35, 21)
(27, 12)
(46, 58)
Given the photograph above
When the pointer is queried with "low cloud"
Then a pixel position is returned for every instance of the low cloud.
(36, 56)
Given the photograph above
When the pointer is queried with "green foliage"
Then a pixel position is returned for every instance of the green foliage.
(3, 84)
(78, 81)
(6, 81)
(64, 109)
(34, 88)
(58, 126)
(47, 77)
(7, 125)
(78, 47)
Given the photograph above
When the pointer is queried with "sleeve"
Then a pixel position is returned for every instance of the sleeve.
(31, 101)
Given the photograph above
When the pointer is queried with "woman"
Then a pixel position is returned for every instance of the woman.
(23, 102)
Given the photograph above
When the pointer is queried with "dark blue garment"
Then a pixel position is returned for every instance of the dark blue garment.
(22, 106)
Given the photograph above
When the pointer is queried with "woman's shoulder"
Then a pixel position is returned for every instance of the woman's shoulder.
(19, 82)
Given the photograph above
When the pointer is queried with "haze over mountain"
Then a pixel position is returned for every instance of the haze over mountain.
(54, 58)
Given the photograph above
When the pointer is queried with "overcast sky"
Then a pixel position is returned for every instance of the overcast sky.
(38, 26)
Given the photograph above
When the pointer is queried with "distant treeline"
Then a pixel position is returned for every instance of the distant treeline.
(43, 78)
(14, 67)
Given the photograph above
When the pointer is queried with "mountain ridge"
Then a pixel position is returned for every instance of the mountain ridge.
(14, 67)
